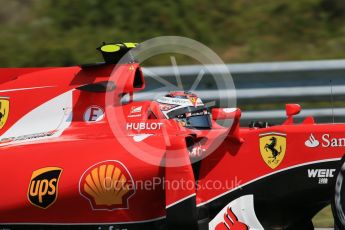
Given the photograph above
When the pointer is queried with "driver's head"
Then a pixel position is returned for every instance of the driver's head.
(186, 108)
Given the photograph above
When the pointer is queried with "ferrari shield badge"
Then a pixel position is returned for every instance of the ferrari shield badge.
(273, 148)
(193, 100)
(4, 110)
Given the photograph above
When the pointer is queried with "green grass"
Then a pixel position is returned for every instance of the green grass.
(324, 219)
(64, 32)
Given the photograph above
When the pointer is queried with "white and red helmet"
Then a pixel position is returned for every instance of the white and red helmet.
(185, 107)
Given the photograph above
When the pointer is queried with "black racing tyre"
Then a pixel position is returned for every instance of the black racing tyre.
(307, 225)
(338, 201)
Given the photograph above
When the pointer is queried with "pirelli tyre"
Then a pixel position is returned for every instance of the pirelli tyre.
(338, 201)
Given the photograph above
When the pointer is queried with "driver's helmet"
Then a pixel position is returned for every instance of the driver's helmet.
(187, 108)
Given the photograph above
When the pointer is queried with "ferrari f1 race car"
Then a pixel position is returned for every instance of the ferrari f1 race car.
(75, 155)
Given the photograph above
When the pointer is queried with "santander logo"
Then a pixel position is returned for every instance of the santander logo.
(312, 142)
(327, 141)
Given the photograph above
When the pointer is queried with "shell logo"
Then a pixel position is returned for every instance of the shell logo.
(107, 185)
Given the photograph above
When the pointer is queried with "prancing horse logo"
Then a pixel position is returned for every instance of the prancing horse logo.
(4, 110)
(273, 148)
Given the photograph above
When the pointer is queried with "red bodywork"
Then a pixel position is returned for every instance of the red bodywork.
(85, 145)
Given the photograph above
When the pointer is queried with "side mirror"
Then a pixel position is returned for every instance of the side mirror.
(226, 113)
(291, 110)
(230, 113)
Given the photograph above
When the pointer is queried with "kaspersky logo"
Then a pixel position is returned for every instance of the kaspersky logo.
(107, 185)
(43, 187)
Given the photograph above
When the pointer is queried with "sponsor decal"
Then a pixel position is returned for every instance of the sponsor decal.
(229, 110)
(144, 126)
(231, 222)
(93, 114)
(273, 148)
(166, 107)
(193, 100)
(175, 101)
(4, 110)
(327, 141)
(239, 214)
(131, 68)
(312, 142)
(196, 150)
(141, 137)
(135, 111)
(26, 137)
(107, 185)
(179, 101)
(322, 174)
(43, 187)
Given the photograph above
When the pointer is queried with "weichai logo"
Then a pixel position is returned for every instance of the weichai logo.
(43, 187)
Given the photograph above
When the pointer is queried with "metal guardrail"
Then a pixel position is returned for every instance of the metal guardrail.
(263, 83)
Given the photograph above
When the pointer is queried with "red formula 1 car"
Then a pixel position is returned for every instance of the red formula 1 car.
(75, 155)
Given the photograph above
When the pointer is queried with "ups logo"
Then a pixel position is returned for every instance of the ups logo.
(43, 187)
